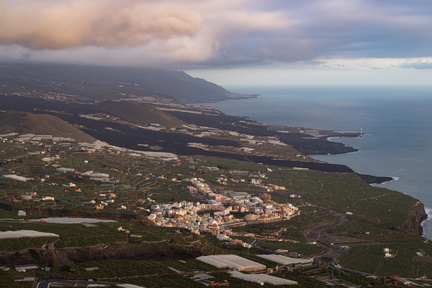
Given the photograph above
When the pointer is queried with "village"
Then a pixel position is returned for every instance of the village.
(186, 214)
(169, 191)
(195, 216)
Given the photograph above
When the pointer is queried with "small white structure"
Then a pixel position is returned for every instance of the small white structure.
(91, 269)
(129, 286)
(25, 233)
(262, 278)
(42, 137)
(232, 262)
(387, 253)
(24, 279)
(99, 175)
(160, 155)
(287, 261)
(222, 237)
(71, 220)
(25, 137)
(65, 170)
(16, 177)
(25, 268)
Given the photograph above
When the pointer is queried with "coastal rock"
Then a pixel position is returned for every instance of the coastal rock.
(371, 179)
(415, 218)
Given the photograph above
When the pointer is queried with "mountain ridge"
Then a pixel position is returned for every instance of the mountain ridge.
(96, 83)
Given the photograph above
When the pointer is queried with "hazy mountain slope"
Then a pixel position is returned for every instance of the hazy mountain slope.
(41, 124)
(100, 83)
(139, 113)
(182, 86)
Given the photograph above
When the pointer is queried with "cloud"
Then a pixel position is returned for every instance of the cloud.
(149, 32)
(376, 63)
(63, 24)
(417, 64)
(211, 33)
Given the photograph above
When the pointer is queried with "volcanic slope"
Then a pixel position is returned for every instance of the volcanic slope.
(41, 124)
(89, 83)
(139, 113)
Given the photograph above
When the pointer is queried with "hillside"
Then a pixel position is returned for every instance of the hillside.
(336, 210)
(90, 83)
(139, 113)
(44, 124)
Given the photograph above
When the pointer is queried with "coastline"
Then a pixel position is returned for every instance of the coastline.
(393, 178)
(229, 96)
(429, 218)
(375, 180)
(315, 141)
(419, 214)
(416, 218)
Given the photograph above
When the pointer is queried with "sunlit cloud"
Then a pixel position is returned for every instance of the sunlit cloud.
(64, 24)
(361, 34)
(169, 31)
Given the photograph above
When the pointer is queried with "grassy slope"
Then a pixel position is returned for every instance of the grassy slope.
(379, 211)
(346, 192)
(23, 122)
(139, 113)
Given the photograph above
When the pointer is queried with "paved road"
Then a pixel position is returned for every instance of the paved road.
(314, 235)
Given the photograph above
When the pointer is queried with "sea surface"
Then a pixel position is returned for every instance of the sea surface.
(396, 122)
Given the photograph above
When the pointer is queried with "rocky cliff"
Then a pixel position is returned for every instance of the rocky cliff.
(415, 218)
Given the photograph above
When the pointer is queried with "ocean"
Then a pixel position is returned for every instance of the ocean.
(396, 122)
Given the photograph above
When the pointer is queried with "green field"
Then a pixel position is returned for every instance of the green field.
(406, 263)
(361, 228)
(79, 235)
(295, 227)
(305, 249)
(110, 269)
(378, 215)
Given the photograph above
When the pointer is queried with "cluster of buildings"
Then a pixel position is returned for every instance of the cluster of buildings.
(216, 214)
(253, 179)
(256, 272)
(387, 253)
(213, 213)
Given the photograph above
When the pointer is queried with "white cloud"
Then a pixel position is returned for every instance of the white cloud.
(172, 31)
(217, 33)
(376, 63)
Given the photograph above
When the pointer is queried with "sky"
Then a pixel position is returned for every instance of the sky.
(240, 42)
